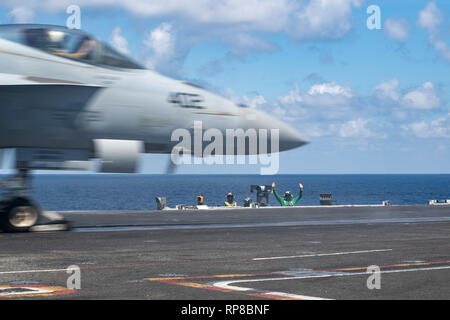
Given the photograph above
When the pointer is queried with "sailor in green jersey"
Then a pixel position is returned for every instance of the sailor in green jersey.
(288, 199)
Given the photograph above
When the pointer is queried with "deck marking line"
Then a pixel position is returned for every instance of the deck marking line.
(321, 254)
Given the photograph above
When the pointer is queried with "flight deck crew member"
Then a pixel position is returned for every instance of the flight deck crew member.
(288, 199)
(230, 201)
(200, 200)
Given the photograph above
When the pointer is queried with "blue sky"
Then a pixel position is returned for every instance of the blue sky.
(370, 101)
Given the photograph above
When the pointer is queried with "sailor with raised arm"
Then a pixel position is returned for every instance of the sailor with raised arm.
(288, 199)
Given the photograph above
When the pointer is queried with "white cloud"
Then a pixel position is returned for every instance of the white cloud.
(161, 40)
(322, 101)
(329, 88)
(293, 97)
(357, 128)
(422, 98)
(22, 14)
(329, 101)
(439, 128)
(250, 14)
(322, 19)
(431, 18)
(253, 101)
(329, 18)
(118, 41)
(325, 109)
(397, 29)
(239, 25)
(166, 55)
(311, 19)
(388, 90)
(442, 48)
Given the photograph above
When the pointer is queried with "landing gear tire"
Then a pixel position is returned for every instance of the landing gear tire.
(18, 215)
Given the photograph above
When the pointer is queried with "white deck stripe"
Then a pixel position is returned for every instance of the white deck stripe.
(321, 254)
(292, 296)
(227, 284)
(32, 271)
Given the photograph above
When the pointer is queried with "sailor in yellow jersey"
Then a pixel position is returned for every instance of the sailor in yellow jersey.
(201, 200)
(230, 201)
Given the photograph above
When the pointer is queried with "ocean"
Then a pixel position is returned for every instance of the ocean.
(138, 192)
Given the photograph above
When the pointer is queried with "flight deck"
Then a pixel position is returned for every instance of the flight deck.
(298, 253)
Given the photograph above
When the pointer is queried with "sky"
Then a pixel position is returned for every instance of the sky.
(370, 99)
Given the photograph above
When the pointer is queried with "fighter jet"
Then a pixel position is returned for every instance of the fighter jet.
(67, 98)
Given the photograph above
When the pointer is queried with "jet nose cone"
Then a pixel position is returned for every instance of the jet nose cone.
(289, 138)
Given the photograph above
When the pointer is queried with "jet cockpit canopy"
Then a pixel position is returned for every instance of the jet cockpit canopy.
(72, 44)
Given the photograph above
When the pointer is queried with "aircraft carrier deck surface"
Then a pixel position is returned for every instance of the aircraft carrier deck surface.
(270, 253)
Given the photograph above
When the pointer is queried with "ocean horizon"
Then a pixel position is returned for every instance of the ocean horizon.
(66, 192)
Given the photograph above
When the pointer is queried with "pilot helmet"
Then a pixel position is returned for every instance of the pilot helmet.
(55, 35)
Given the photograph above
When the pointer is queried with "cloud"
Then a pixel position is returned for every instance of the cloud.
(322, 19)
(358, 128)
(328, 101)
(302, 19)
(331, 89)
(424, 97)
(388, 90)
(254, 101)
(322, 101)
(161, 40)
(430, 19)
(166, 54)
(22, 14)
(438, 128)
(242, 26)
(325, 109)
(249, 15)
(442, 48)
(330, 109)
(118, 41)
(293, 97)
(397, 29)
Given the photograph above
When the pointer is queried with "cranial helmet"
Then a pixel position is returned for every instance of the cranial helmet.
(288, 195)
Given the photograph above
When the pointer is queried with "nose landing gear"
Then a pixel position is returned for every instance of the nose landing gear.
(18, 213)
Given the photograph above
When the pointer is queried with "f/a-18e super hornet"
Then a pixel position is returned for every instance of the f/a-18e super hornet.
(67, 98)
